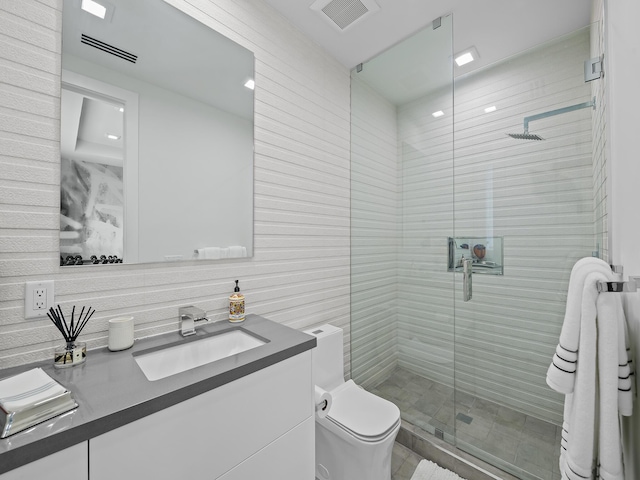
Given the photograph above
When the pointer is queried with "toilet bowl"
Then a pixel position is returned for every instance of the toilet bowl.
(354, 441)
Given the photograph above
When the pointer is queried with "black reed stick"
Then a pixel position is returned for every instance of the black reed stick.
(70, 331)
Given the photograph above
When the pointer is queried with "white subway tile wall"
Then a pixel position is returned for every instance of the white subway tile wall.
(299, 275)
(599, 139)
(374, 234)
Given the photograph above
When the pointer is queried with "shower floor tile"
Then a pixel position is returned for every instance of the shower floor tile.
(515, 440)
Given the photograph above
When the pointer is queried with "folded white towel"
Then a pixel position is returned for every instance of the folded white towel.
(561, 372)
(27, 389)
(237, 251)
(577, 454)
(212, 253)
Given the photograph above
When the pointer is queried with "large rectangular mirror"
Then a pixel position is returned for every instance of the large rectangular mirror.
(156, 136)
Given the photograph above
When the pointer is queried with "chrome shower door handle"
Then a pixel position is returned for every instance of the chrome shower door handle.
(467, 271)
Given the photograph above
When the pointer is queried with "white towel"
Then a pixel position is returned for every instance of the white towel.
(577, 453)
(26, 389)
(213, 253)
(561, 372)
(626, 383)
(237, 251)
(609, 444)
(602, 387)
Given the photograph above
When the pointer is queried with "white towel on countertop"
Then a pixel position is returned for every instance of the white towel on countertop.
(26, 389)
(577, 446)
(561, 373)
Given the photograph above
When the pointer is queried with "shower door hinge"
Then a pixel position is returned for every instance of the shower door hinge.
(437, 23)
(593, 68)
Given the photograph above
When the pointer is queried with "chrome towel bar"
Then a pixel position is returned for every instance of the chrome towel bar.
(629, 286)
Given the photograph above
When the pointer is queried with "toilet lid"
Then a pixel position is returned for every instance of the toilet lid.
(364, 414)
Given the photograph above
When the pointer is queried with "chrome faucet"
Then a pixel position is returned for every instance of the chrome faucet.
(188, 317)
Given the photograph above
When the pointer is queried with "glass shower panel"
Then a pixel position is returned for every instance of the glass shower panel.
(539, 196)
(402, 214)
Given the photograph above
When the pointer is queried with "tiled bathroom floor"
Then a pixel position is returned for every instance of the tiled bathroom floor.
(403, 462)
(512, 438)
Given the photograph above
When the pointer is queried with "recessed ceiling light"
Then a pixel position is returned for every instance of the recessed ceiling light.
(466, 56)
(464, 59)
(490, 109)
(111, 136)
(250, 84)
(437, 114)
(94, 8)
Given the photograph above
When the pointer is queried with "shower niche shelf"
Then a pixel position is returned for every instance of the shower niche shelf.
(486, 254)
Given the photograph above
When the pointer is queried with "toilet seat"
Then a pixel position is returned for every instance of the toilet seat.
(362, 414)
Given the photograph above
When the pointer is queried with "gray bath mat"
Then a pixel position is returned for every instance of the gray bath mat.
(427, 470)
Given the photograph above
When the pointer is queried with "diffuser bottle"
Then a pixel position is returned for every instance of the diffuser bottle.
(236, 305)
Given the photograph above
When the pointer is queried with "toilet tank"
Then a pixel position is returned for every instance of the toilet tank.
(328, 356)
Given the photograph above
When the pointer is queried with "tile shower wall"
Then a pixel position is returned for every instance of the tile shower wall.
(599, 138)
(374, 234)
(537, 195)
(299, 275)
(425, 295)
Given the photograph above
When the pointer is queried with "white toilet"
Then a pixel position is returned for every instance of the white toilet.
(355, 439)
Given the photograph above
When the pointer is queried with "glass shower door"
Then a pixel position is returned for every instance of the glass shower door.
(402, 209)
(527, 205)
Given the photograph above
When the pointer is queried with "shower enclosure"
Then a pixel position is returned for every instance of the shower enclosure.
(437, 180)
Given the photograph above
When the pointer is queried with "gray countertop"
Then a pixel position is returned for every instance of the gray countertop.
(112, 391)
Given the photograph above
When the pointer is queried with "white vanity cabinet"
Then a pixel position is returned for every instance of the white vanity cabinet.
(71, 462)
(257, 423)
(290, 457)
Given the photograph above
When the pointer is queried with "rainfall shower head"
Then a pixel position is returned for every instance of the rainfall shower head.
(525, 136)
(530, 136)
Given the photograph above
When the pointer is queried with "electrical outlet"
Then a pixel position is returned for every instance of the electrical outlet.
(38, 298)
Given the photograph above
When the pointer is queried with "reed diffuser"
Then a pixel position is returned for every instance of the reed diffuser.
(73, 352)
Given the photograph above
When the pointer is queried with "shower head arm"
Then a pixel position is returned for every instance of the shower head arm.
(559, 111)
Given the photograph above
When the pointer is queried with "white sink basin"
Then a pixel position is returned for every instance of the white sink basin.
(180, 358)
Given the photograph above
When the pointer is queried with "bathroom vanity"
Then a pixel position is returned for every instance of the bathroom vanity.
(248, 415)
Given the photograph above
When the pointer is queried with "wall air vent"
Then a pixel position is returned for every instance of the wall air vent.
(105, 47)
(344, 13)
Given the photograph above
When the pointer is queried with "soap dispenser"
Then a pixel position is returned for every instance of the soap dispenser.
(236, 305)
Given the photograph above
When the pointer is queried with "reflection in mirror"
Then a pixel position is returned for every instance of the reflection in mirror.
(156, 137)
(91, 177)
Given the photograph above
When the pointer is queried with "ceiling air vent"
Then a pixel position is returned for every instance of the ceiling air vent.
(105, 47)
(344, 13)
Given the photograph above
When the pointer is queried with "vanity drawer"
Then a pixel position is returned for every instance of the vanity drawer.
(68, 463)
(212, 432)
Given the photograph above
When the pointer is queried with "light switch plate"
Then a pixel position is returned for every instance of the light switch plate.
(38, 298)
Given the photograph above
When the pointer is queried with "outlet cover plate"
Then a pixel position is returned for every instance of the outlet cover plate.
(38, 298)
